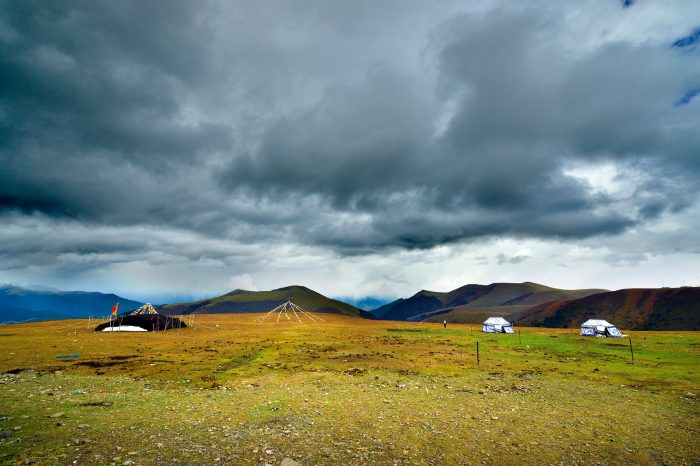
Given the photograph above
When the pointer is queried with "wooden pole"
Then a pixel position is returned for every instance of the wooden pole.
(520, 337)
(631, 350)
(477, 353)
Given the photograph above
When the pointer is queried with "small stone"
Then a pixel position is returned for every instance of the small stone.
(57, 415)
(133, 453)
(289, 462)
(494, 418)
(127, 463)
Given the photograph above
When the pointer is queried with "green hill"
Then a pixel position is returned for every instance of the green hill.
(243, 301)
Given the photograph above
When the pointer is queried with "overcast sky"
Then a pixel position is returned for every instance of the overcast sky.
(360, 148)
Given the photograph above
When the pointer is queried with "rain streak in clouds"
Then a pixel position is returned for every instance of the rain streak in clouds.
(209, 144)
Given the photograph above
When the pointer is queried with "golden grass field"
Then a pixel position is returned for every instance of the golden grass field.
(343, 392)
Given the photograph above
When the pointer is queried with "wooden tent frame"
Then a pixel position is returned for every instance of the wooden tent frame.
(287, 309)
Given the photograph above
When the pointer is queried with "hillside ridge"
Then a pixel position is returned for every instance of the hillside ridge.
(18, 303)
(630, 308)
(241, 301)
(459, 304)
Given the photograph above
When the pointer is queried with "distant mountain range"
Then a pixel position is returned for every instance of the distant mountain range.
(242, 301)
(19, 304)
(532, 304)
(473, 303)
(633, 309)
(525, 303)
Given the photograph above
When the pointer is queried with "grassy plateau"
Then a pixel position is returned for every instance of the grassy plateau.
(345, 391)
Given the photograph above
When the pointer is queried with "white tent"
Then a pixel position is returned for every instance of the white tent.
(600, 328)
(497, 325)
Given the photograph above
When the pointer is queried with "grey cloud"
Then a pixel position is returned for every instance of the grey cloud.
(358, 127)
(503, 259)
(524, 109)
(358, 143)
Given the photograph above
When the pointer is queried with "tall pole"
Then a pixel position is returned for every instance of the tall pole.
(477, 353)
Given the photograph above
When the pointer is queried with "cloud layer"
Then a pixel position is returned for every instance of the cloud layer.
(225, 131)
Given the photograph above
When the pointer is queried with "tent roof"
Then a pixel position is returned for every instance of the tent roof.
(496, 321)
(145, 309)
(597, 323)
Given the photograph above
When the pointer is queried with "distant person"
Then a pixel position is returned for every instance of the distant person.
(444, 323)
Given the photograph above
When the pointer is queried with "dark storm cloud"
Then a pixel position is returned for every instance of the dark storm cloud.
(92, 110)
(523, 109)
(355, 126)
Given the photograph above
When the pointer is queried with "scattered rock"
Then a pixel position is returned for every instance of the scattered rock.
(56, 415)
(289, 462)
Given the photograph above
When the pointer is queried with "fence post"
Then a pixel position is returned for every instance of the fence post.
(631, 350)
(477, 353)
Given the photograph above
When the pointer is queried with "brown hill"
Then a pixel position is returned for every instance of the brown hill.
(470, 302)
(632, 309)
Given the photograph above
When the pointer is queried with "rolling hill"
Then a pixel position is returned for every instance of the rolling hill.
(472, 303)
(632, 309)
(242, 301)
(19, 304)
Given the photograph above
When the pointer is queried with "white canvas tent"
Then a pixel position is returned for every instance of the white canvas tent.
(600, 328)
(124, 328)
(497, 325)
